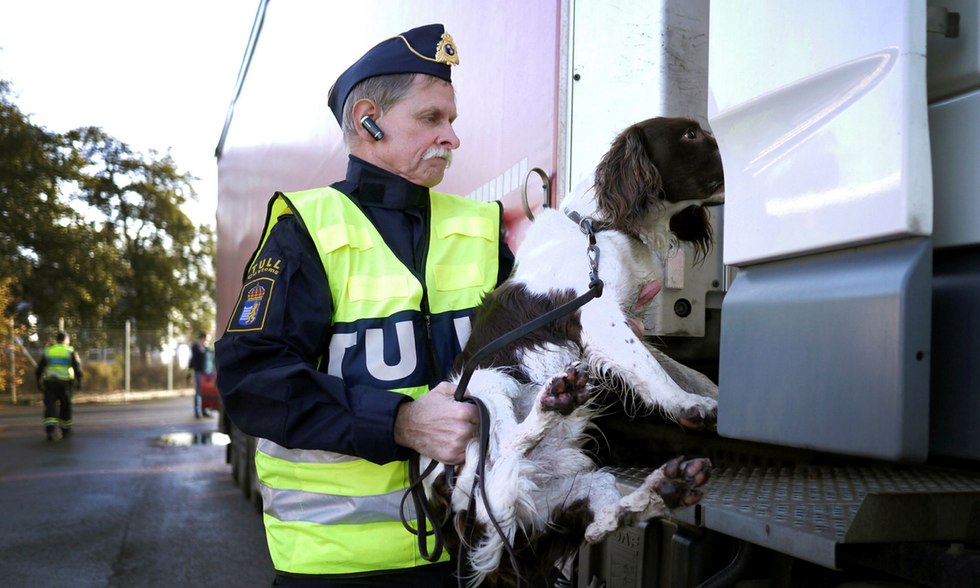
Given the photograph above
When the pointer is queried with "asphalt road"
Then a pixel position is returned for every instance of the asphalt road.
(139, 496)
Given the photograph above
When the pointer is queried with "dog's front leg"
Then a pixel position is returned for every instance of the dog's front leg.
(614, 349)
(690, 380)
(557, 398)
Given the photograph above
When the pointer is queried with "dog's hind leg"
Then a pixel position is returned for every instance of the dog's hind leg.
(675, 484)
(510, 477)
(498, 392)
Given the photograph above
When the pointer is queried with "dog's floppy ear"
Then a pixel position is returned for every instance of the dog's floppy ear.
(627, 182)
(694, 226)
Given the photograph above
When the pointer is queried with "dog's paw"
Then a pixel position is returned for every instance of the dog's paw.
(700, 416)
(568, 391)
(681, 482)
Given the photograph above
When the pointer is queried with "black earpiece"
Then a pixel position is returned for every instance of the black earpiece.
(372, 127)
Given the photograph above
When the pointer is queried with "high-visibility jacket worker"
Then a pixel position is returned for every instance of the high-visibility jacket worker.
(353, 308)
(357, 501)
(57, 372)
(391, 327)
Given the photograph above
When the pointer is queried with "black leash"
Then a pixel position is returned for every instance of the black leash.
(422, 508)
(594, 291)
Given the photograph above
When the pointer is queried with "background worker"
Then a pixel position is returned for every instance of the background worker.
(57, 371)
(200, 364)
(351, 313)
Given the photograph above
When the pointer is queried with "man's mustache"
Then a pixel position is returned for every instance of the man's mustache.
(439, 152)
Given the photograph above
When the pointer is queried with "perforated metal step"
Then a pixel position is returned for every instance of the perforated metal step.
(807, 511)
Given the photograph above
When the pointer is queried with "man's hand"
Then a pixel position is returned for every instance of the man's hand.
(643, 299)
(436, 425)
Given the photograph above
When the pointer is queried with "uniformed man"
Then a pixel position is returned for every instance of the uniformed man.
(57, 371)
(352, 310)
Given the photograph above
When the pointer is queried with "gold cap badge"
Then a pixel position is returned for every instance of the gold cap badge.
(446, 50)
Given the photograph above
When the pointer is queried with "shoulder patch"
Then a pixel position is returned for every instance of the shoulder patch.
(252, 305)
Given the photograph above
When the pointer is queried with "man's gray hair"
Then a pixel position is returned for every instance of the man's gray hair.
(384, 91)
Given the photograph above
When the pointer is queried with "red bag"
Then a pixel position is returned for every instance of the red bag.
(210, 399)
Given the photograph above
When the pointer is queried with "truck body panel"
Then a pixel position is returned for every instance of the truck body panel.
(825, 144)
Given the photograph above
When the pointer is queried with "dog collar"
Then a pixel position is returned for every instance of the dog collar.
(584, 222)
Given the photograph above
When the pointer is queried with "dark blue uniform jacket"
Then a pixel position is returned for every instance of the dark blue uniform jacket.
(268, 378)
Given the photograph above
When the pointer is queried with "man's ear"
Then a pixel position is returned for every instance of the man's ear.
(362, 108)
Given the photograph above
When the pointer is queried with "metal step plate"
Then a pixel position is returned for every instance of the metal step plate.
(807, 511)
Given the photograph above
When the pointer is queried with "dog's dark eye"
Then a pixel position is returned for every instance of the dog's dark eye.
(691, 134)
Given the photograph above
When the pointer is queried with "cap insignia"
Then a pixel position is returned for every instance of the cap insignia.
(446, 50)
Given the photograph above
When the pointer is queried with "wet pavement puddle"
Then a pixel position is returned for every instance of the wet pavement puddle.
(186, 439)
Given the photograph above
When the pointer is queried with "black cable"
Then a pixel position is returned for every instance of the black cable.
(423, 510)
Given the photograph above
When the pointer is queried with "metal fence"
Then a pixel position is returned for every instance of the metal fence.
(122, 358)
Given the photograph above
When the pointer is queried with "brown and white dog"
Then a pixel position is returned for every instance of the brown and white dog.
(543, 491)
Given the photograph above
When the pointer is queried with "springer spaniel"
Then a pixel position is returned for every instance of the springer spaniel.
(544, 493)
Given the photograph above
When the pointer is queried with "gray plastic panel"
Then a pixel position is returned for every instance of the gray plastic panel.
(831, 352)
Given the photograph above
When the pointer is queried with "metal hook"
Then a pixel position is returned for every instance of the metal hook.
(546, 186)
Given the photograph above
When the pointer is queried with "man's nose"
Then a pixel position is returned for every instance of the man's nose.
(451, 139)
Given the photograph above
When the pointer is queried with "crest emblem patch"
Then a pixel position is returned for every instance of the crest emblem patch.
(253, 303)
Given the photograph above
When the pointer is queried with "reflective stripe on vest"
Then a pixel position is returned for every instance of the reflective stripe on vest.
(327, 513)
(59, 363)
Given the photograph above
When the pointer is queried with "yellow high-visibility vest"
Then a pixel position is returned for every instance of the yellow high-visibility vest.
(58, 365)
(327, 513)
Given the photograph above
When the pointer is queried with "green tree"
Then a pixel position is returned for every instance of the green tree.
(58, 259)
(93, 231)
(11, 373)
(168, 274)
(31, 166)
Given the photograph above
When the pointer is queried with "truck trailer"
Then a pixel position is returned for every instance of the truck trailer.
(839, 310)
